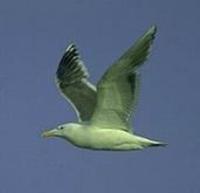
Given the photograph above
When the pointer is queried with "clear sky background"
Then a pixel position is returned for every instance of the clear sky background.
(33, 36)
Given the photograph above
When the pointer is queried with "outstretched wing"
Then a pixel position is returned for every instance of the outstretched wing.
(117, 90)
(71, 78)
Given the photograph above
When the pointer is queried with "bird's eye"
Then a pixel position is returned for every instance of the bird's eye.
(61, 127)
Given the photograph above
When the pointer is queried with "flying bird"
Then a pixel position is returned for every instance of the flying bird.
(104, 111)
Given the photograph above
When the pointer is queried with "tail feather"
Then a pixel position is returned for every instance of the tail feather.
(158, 144)
(150, 143)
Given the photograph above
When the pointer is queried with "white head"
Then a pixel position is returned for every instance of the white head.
(62, 131)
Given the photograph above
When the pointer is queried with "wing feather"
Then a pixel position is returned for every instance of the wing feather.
(71, 79)
(117, 90)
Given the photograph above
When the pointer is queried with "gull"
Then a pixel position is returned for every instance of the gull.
(104, 112)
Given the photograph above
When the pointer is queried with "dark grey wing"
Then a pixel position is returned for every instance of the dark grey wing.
(71, 79)
(117, 90)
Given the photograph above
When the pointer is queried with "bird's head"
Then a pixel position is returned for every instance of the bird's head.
(62, 131)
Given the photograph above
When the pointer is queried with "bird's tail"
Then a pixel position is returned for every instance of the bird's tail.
(145, 142)
(157, 143)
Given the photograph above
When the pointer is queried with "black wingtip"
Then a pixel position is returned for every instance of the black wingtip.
(71, 67)
(153, 28)
(152, 31)
(71, 47)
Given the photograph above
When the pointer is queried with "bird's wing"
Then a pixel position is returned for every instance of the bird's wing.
(71, 79)
(117, 90)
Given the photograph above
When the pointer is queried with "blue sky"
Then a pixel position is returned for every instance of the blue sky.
(33, 36)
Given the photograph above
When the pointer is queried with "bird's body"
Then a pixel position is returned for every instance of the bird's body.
(104, 111)
(98, 138)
